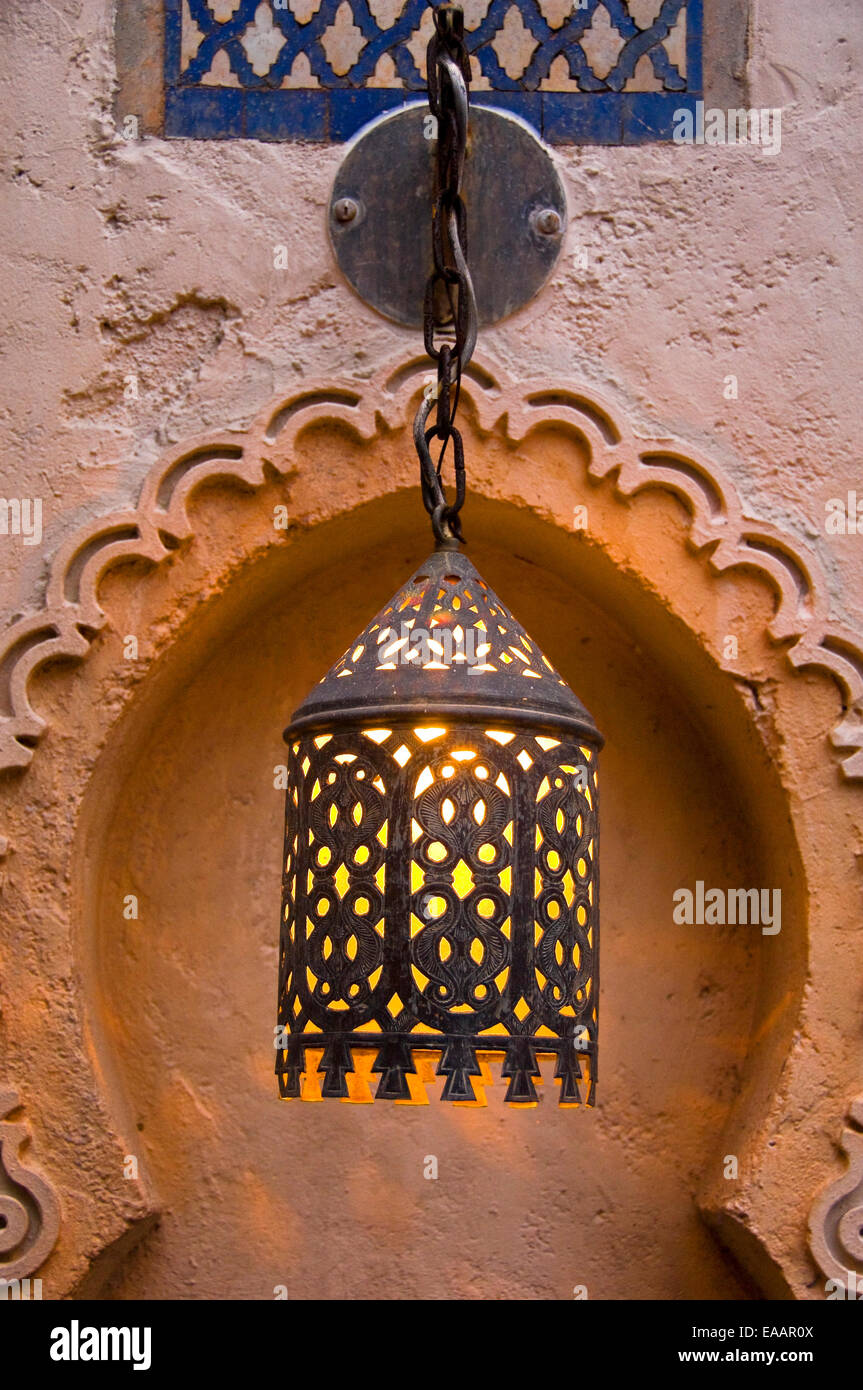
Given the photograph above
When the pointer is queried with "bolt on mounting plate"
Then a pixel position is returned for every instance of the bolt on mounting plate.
(381, 208)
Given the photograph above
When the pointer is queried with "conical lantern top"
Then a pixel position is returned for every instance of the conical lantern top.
(445, 646)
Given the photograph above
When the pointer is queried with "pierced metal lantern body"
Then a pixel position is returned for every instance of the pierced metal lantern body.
(441, 864)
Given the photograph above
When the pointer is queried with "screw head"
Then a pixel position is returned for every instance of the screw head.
(547, 221)
(345, 209)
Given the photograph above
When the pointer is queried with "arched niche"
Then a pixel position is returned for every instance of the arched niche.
(155, 778)
(186, 817)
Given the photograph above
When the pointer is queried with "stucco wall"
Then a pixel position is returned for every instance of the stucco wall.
(156, 259)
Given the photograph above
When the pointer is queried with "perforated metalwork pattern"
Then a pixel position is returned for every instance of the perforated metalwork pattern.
(441, 894)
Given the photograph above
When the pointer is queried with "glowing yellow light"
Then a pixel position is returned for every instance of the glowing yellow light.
(424, 780)
(311, 1081)
(359, 1080)
(462, 879)
(391, 648)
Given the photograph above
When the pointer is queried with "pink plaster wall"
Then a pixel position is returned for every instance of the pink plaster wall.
(157, 259)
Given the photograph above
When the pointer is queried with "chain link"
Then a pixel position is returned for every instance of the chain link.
(449, 309)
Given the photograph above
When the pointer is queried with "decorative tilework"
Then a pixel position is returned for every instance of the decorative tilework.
(581, 71)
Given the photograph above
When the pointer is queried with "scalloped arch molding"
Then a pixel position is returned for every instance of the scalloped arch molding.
(819, 1069)
(720, 531)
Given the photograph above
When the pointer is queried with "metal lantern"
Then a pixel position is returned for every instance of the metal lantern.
(441, 861)
(441, 871)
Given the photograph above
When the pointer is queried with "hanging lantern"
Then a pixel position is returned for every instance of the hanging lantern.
(441, 863)
(441, 899)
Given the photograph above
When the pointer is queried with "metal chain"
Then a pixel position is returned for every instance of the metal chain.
(449, 308)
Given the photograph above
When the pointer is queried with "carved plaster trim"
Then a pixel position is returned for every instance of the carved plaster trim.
(720, 529)
(29, 1208)
(836, 1218)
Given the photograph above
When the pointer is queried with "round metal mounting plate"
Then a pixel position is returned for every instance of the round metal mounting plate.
(381, 204)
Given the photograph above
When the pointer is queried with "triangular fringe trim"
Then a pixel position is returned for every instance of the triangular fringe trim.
(395, 1071)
